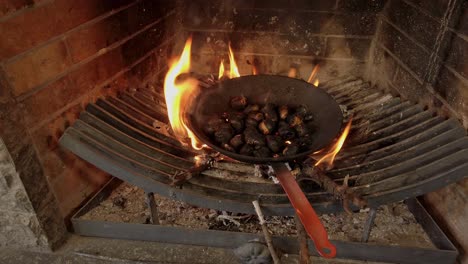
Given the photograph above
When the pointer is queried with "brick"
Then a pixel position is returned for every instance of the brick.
(362, 24)
(457, 57)
(37, 67)
(96, 72)
(5, 91)
(413, 22)
(352, 48)
(145, 68)
(76, 84)
(295, 4)
(462, 25)
(409, 87)
(87, 41)
(144, 42)
(361, 5)
(37, 25)
(381, 68)
(435, 7)
(9, 6)
(76, 184)
(404, 49)
(454, 90)
(264, 43)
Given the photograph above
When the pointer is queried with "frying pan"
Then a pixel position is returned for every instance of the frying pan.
(279, 90)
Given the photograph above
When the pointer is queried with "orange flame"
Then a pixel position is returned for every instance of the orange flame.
(233, 71)
(330, 156)
(178, 94)
(292, 72)
(221, 70)
(316, 83)
(254, 70)
(313, 73)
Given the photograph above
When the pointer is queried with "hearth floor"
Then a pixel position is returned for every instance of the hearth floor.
(105, 251)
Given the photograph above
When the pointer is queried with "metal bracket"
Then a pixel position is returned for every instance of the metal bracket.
(153, 208)
(368, 225)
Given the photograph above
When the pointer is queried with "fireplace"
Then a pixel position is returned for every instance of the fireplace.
(61, 61)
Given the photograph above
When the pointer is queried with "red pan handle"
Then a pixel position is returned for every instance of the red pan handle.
(306, 213)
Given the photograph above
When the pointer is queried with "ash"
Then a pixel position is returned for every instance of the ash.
(394, 224)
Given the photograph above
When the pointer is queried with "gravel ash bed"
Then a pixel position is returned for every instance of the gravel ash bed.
(394, 224)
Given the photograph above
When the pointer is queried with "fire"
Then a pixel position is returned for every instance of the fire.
(221, 70)
(254, 70)
(233, 71)
(330, 156)
(313, 73)
(178, 94)
(292, 72)
(316, 83)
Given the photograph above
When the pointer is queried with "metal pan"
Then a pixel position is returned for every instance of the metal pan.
(279, 90)
(262, 89)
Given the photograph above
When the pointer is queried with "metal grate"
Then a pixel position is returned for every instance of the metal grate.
(396, 150)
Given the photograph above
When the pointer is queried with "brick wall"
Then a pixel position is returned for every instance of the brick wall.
(405, 60)
(275, 35)
(55, 57)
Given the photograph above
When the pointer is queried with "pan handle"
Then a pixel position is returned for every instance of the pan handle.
(304, 210)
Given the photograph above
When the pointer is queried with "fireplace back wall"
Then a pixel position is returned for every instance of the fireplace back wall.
(278, 35)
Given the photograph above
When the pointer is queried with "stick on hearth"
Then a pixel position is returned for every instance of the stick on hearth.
(183, 176)
(302, 237)
(266, 233)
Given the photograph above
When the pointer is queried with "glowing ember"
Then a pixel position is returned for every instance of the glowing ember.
(313, 73)
(330, 156)
(221, 70)
(316, 83)
(292, 73)
(233, 71)
(178, 94)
